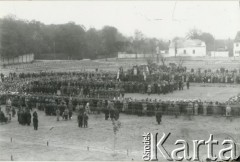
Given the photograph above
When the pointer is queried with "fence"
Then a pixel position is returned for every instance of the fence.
(18, 60)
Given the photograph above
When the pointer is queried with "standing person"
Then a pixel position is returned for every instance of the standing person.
(35, 120)
(85, 120)
(158, 117)
(28, 117)
(111, 109)
(81, 108)
(190, 110)
(58, 114)
(149, 89)
(8, 106)
(176, 109)
(112, 113)
(70, 107)
(65, 114)
(106, 112)
(2, 117)
(19, 115)
(87, 108)
(80, 120)
(77, 108)
(196, 106)
(188, 84)
(24, 116)
(228, 111)
(116, 114)
(205, 108)
(13, 112)
(99, 106)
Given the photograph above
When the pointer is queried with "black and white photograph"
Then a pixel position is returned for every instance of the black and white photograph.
(120, 80)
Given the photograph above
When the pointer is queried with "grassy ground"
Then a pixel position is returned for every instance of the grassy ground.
(114, 64)
(68, 142)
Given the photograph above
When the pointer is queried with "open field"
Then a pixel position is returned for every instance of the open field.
(113, 64)
(68, 142)
(205, 93)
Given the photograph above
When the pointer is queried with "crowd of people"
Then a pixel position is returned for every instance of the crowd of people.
(66, 106)
(63, 94)
(223, 76)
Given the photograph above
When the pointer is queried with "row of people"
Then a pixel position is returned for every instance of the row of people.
(138, 107)
(152, 72)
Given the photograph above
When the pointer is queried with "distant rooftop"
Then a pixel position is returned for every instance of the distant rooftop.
(237, 38)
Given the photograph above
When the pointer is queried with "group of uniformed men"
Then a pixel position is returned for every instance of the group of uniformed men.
(62, 85)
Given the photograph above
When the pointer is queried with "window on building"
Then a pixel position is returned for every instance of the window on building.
(193, 51)
(184, 52)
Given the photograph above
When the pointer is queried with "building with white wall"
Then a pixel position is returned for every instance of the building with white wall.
(236, 46)
(187, 47)
(219, 54)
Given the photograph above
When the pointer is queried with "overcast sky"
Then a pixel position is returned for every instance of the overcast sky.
(161, 19)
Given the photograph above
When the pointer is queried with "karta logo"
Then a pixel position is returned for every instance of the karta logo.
(153, 146)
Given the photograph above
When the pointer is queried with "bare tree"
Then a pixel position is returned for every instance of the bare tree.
(163, 60)
(180, 61)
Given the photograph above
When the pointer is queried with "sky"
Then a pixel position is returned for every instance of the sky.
(160, 19)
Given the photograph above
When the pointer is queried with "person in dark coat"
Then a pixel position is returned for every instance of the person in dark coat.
(80, 120)
(107, 110)
(58, 114)
(158, 117)
(112, 114)
(28, 117)
(13, 112)
(70, 108)
(19, 114)
(188, 84)
(2, 117)
(35, 120)
(85, 120)
(24, 117)
(116, 114)
(65, 114)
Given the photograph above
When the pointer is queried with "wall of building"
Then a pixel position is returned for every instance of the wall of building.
(236, 49)
(188, 51)
(219, 54)
(18, 60)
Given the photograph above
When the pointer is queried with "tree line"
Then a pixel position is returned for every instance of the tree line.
(74, 41)
(69, 41)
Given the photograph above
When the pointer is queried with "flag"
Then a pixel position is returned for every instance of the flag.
(135, 70)
(147, 69)
(144, 76)
(118, 73)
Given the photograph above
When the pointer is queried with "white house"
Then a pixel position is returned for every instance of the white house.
(187, 47)
(236, 46)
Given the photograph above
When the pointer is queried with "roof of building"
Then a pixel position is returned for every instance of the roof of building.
(237, 38)
(183, 43)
